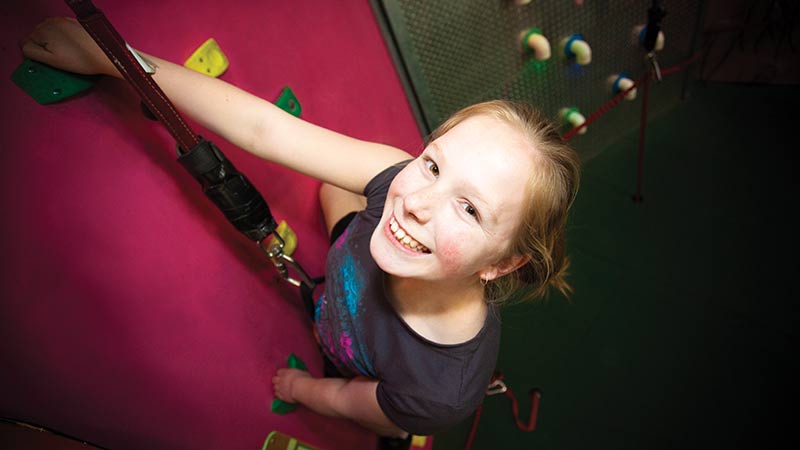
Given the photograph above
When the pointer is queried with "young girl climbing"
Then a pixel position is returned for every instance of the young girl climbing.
(423, 251)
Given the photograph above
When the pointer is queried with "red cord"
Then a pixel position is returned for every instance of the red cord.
(600, 111)
(536, 396)
(645, 82)
(617, 98)
(474, 428)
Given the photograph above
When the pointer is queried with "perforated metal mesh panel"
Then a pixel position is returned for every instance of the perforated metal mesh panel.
(458, 52)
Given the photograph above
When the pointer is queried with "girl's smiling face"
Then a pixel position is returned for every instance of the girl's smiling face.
(451, 213)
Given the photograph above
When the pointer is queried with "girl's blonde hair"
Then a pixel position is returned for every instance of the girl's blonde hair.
(551, 190)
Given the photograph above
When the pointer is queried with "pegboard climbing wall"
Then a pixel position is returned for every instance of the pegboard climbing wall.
(458, 52)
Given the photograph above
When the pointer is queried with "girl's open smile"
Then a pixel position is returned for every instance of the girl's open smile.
(404, 238)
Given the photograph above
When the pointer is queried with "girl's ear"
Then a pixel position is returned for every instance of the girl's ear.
(505, 266)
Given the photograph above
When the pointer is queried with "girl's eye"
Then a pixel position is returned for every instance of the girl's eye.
(432, 167)
(470, 209)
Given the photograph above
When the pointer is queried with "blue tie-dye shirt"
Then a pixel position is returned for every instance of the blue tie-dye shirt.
(424, 386)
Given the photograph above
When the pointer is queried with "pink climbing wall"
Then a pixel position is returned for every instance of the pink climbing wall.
(132, 314)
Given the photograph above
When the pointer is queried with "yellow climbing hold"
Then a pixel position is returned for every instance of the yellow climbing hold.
(208, 59)
(288, 236)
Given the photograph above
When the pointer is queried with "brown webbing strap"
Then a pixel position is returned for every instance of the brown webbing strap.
(226, 187)
(101, 30)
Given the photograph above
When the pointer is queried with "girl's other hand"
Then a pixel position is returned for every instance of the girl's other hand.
(63, 43)
(283, 380)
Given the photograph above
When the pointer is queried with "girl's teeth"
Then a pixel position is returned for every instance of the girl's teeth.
(404, 238)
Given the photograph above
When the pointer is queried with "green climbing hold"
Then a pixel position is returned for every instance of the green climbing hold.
(279, 406)
(47, 84)
(296, 363)
(288, 102)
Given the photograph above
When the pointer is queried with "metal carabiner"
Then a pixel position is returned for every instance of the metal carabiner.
(288, 260)
(281, 260)
(654, 67)
(496, 387)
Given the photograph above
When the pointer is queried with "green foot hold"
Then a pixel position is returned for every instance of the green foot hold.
(47, 84)
(288, 102)
(279, 406)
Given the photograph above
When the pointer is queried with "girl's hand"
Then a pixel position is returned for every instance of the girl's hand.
(63, 43)
(283, 380)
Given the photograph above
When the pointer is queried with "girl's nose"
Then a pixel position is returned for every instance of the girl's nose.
(419, 204)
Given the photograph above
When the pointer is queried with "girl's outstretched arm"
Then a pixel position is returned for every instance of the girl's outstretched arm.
(354, 399)
(246, 121)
